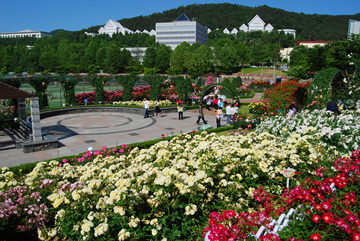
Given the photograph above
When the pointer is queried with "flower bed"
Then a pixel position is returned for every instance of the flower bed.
(340, 132)
(166, 191)
(323, 212)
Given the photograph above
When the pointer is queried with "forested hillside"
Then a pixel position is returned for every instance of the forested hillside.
(308, 26)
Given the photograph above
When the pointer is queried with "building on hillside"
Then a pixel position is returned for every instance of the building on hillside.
(285, 52)
(137, 52)
(288, 31)
(256, 24)
(354, 28)
(113, 27)
(311, 44)
(25, 33)
(181, 30)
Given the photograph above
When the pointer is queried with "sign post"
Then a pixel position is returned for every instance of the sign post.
(289, 172)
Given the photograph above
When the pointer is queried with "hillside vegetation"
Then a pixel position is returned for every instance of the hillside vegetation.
(308, 26)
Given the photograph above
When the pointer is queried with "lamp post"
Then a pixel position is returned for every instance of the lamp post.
(261, 70)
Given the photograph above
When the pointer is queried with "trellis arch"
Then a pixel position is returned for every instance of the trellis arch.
(235, 93)
(339, 86)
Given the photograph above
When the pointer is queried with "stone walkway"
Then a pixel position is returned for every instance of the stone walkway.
(77, 132)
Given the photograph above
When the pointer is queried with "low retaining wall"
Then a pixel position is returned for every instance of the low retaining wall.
(139, 111)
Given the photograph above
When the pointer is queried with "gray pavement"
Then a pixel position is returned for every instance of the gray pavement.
(77, 132)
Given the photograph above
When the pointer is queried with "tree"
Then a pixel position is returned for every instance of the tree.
(48, 59)
(201, 61)
(149, 58)
(112, 60)
(179, 58)
(162, 59)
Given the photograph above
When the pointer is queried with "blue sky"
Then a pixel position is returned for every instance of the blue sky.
(48, 15)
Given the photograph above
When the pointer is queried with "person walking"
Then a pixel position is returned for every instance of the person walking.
(157, 109)
(219, 115)
(180, 110)
(146, 106)
(201, 115)
(228, 114)
(208, 103)
(215, 102)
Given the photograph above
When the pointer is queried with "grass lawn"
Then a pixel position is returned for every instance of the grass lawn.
(265, 71)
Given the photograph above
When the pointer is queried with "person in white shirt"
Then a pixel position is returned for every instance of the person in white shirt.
(146, 106)
(228, 116)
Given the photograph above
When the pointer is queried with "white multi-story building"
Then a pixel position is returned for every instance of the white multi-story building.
(113, 27)
(288, 31)
(25, 33)
(137, 52)
(181, 30)
(354, 27)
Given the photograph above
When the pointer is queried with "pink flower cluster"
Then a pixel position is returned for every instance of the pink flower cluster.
(18, 202)
(91, 155)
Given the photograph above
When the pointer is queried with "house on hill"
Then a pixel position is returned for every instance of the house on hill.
(113, 27)
(256, 24)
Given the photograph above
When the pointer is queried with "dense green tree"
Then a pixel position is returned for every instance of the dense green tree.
(179, 58)
(149, 58)
(48, 58)
(201, 62)
(100, 56)
(90, 54)
(162, 59)
(112, 62)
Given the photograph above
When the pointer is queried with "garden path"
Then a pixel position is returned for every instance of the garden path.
(77, 132)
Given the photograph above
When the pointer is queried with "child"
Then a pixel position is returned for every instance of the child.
(157, 109)
(219, 115)
(180, 110)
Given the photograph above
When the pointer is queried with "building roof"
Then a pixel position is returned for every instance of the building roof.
(256, 19)
(182, 17)
(312, 42)
(10, 92)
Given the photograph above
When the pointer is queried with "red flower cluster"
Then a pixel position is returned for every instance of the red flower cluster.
(328, 211)
(231, 226)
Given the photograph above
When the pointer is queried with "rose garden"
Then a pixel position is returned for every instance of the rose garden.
(199, 185)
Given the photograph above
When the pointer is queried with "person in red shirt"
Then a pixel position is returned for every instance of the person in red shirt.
(215, 103)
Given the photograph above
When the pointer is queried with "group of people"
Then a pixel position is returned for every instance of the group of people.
(146, 106)
(219, 105)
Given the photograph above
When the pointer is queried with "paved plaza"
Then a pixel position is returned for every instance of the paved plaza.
(77, 132)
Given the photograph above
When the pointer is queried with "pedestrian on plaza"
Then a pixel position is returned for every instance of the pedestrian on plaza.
(219, 115)
(180, 110)
(221, 104)
(228, 115)
(236, 110)
(157, 109)
(215, 102)
(146, 106)
(201, 115)
(232, 113)
(208, 103)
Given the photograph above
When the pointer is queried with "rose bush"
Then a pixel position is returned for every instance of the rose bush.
(156, 193)
(340, 132)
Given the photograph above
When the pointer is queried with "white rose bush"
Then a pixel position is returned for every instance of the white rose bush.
(337, 131)
(166, 191)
